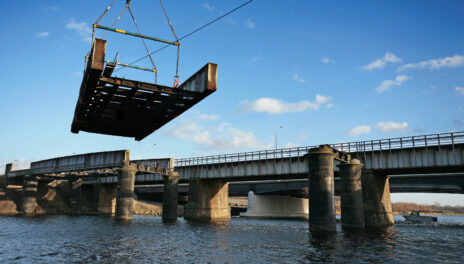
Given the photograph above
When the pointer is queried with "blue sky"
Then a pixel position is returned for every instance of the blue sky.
(326, 71)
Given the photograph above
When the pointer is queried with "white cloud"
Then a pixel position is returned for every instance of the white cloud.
(387, 127)
(447, 62)
(208, 7)
(327, 60)
(42, 34)
(302, 136)
(249, 23)
(386, 84)
(380, 63)
(459, 90)
(297, 78)
(206, 117)
(290, 145)
(52, 8)
(224, 137)
(81, 28)
(358, 130)
(275, 106)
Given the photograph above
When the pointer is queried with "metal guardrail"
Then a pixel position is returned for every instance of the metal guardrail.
(442, 139)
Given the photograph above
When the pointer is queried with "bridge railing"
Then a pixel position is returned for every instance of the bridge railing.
(448, 139)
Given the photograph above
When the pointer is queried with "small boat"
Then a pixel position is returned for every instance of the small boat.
(415, 216)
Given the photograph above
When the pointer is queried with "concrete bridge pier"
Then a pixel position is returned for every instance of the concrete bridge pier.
(321, 189)
(125, 195)
(376, 199)
(170, 196)
(107, 199)
(351, 194)
(29, 195)
(208, 201)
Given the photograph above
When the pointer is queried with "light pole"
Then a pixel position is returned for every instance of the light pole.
(276, 127)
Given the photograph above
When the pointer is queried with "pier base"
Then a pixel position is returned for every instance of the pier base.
(321, 189)
(29, 196)
(351, 194)
(208, 201)
(125, 196)
(276, 207)
(170, 197)
(376, 200)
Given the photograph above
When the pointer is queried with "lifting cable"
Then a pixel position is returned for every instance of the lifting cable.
(112, 25)
(143, 41)
(101, 16)
(176, 77)
(194, 31)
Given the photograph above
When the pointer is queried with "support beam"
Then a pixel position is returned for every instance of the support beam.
(351, 194)
(208, 201)
(125, 196)
(170, 196)
(321, 189)
(29, 196)
(376, 199)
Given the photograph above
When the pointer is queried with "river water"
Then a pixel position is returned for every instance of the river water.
(84, 239)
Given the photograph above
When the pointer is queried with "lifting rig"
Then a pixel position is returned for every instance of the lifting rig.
(130, 108)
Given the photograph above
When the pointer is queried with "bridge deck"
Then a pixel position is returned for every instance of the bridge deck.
(121, 107)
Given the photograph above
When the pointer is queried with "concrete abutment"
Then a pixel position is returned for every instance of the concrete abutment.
(29, 196)
(276, 207)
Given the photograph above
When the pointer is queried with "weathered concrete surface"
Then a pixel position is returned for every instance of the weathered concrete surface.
(125, 196)
(376, 200)
(107, 199)
(276, 207)
(321, 186)
(208, 201)
(29, 196)
(170, 196)
(351, 194)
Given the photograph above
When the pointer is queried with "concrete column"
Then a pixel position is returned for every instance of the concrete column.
(8, 167)
(29, 196)
(376, 200)
(321, 189)
(170, 196)
(276, 207)
(351, 194)
(125, 196)
(208, 201)
(107, 199)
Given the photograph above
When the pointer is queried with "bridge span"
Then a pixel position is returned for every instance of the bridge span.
(362, 172)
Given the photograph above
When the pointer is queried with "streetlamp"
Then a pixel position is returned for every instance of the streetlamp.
(276, 127)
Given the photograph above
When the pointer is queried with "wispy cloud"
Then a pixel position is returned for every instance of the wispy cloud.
(386, 84)
(358, 130)
(52, 8)
(42, 34)
(380, 63)
(249, 23)
(298, 78)
(459, 123)
(81, 28)
(205, 117)
(275, 106)
(459, 90)
(327, 60)
(388, 127)
(208, 7)
(419, 130)
(226, 138)
(447, 62)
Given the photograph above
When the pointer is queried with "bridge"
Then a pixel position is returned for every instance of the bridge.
(431, 163)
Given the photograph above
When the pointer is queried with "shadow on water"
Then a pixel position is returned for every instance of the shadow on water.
(364, 245)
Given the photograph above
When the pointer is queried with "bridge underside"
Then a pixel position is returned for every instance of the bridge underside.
(121, 107)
